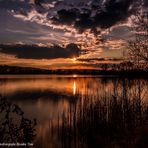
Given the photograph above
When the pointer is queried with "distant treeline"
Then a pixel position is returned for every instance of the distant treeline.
(123, 72)
(4, 69)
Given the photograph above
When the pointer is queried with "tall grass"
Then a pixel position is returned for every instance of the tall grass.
(117, 117)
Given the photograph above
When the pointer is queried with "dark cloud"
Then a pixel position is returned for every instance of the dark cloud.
(82, 14)
(36, 52)
(38, 2)
(97, 14)
(37, 14)
(67, 16)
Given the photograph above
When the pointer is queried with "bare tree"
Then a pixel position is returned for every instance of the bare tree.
(138, 48)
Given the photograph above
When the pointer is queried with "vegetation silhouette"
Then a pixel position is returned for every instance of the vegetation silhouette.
(138, 48)
(14, 127)
(123, 69)
(110, 119)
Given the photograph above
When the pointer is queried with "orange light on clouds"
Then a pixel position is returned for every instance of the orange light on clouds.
(74, 60)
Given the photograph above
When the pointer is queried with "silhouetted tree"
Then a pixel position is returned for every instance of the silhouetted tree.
(14, 127)
(138, 48)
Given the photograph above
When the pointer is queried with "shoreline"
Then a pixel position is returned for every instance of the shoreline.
(15, 70)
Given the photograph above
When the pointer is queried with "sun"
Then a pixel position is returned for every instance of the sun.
(74, 59)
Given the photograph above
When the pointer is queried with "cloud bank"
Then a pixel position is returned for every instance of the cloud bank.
(94, 25)
(36, 52)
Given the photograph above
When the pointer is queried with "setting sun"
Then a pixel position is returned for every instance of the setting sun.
(74, 59)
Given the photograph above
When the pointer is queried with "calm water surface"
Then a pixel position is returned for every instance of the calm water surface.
(66, 105)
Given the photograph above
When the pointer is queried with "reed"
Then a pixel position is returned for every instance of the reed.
(117, 118)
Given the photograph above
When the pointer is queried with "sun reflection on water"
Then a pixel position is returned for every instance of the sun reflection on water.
(74, 88)
(74, 76)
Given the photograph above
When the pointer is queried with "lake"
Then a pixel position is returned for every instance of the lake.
(78, 110)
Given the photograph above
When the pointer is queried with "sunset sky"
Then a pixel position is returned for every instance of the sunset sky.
(65, 33)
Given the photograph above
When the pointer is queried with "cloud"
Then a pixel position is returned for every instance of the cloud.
(36, 52)
(81, 15)
(102, 14)
(120, 32)
(67, 21)
(38, 2)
